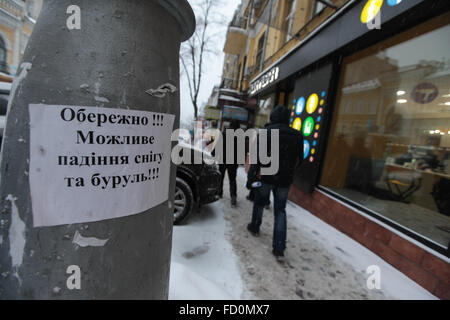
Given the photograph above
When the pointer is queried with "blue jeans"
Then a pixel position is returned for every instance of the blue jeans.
(262, 196)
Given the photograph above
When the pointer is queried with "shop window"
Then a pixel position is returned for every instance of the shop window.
(265, 106)
(389, 145)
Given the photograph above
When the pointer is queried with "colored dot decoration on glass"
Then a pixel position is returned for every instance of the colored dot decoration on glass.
(312, 103)
(306, 148)
(308, 126)
(393, 3)
(300, 106)
(297, 125)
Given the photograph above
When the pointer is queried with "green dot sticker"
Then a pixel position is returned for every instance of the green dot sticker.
(308, 126)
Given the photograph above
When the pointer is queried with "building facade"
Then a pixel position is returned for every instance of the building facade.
(17, 19)
(367, 83)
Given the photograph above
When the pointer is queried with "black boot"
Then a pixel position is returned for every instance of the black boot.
(252, 231)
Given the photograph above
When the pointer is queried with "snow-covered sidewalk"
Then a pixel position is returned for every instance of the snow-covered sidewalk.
(204, 265)
(214, 257)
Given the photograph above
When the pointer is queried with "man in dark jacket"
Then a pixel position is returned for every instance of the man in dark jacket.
(290, 156)
(230, 167)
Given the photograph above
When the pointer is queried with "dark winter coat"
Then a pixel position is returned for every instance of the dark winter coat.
(290, 150)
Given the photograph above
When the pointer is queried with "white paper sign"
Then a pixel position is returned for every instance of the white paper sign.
(90, 164)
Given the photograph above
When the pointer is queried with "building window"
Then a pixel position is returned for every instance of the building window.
(389, 146)
(318, 7)
(30, 8)
(23, 42)
(238, 77)
(243, 74)
(289, 19)
(259, 51)
(3, 56)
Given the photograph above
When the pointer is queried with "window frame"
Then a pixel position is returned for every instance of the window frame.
(346, 57)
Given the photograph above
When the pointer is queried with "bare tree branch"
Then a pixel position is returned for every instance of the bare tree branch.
(189, 80)
(194, 52)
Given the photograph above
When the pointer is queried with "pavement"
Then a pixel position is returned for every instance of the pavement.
(215, 257)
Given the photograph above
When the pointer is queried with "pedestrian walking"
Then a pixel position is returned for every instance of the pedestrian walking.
(231, 168)
(290, 156)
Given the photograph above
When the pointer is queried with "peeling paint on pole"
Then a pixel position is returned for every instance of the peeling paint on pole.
(16, 236)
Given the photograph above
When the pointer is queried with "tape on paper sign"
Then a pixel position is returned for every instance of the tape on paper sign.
(91, 164)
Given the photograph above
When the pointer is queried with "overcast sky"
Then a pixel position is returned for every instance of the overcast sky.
(213, 66)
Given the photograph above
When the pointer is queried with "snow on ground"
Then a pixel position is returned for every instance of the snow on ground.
(204, 265)
(393, 282)
(214, 257)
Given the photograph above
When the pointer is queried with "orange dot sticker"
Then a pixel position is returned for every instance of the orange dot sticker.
(311, 159)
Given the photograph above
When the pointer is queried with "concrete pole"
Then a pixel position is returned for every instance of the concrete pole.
(122, 49)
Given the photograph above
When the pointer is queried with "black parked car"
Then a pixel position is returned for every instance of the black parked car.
(196, 184)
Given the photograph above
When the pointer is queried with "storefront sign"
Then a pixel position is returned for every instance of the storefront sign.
(424, 93)
(265, 80)
(212, 113)
(90, 164)
(235, 113)
(373, 8)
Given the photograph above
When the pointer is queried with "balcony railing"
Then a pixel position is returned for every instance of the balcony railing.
(16, 8)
